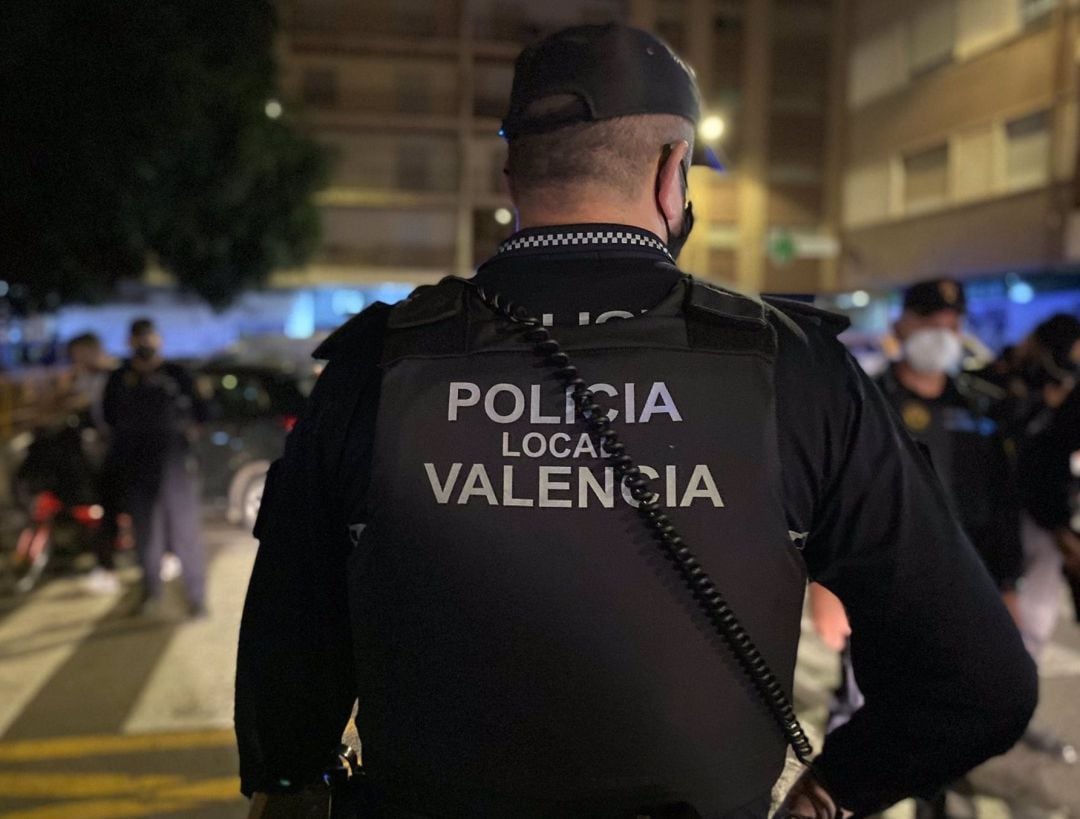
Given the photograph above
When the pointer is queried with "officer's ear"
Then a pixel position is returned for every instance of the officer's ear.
(670, 183)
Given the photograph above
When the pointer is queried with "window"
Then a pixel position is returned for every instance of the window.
(973, 170)
(933, 35)
(491, 84)
(878, 66)
(393, 161)
(1027, 151)
(1032, 10)
(418, 237)
(319, 87)
(316, 15)
(867, 194)
(414, 171)
(982, 24)
(487, 161)
(926, 178)
(413, 91)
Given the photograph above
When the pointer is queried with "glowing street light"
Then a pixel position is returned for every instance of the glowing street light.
(860, 298)
(712, 128)
(273, 109)
(503, 216)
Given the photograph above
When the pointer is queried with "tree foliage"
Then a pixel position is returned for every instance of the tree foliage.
(134, 131)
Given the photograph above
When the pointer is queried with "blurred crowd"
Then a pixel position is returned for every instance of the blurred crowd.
(120, 470)
(1004, 442)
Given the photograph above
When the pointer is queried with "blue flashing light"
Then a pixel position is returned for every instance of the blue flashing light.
(301, 320)
(1020, 292)
(347, 302)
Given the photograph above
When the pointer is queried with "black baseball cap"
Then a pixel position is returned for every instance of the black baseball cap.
(928, 297)
(612, 70)
(1057, 336)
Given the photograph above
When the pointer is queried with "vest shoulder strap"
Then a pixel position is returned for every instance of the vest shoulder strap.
(721, 319)
(795, 313)
(356, 334)
(711, 302)
(429, 304)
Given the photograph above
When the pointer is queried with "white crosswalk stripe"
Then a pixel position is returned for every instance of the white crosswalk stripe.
(192, 684)
(37, 638)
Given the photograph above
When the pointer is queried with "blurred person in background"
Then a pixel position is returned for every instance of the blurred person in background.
(949, 415)
(153, 411)
(91, 367)
(1050, 365)
(90, 370)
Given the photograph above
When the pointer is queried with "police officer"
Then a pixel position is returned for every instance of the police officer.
(153, 409)
(950, 413)
(447, 543)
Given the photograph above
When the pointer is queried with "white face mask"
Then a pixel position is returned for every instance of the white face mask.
(933, 351)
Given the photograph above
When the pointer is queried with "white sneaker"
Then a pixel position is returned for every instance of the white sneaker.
(101, 581)
(171, 567)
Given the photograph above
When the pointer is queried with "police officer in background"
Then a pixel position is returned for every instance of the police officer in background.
(153, 411)
(949, 413)
(448, 544)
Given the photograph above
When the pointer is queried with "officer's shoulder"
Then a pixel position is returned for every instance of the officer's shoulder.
(357, 335)
(805, 319)
(788, 316)
(429, 304)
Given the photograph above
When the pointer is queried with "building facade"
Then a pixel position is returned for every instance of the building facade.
(957, 147)
(408, 96)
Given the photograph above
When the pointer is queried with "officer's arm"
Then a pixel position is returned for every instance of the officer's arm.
(294, 681)
(109, 398)
(199, 412)
(945, 676)
(1004, 553)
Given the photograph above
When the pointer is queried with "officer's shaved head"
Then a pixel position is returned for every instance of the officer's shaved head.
(612, 158)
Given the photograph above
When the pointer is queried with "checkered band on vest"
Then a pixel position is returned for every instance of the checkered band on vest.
(603, 238)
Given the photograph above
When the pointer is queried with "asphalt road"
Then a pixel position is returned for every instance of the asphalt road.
(106, 715)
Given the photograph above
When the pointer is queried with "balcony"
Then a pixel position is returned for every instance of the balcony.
(409, 19)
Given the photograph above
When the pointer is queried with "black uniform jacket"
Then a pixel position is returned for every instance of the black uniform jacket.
(969, 454)
(946, 679)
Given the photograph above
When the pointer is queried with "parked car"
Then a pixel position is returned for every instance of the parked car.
(251, 409)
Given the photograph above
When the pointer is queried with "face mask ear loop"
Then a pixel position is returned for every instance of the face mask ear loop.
(665, 152)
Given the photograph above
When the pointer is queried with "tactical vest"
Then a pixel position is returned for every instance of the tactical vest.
(522, 648)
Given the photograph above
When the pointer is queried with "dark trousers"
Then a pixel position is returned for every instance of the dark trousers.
(166, 515)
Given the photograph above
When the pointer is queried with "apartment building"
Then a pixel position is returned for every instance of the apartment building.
(408, 95)
(957, 149)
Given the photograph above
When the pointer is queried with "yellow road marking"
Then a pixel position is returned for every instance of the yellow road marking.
(100, 809)
(37, 750)
(146, 795)
(221, 789)
(79, 786)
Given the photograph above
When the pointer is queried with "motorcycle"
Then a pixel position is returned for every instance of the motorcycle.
(56, 485)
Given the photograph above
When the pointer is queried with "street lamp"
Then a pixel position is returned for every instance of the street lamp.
(712, 128)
